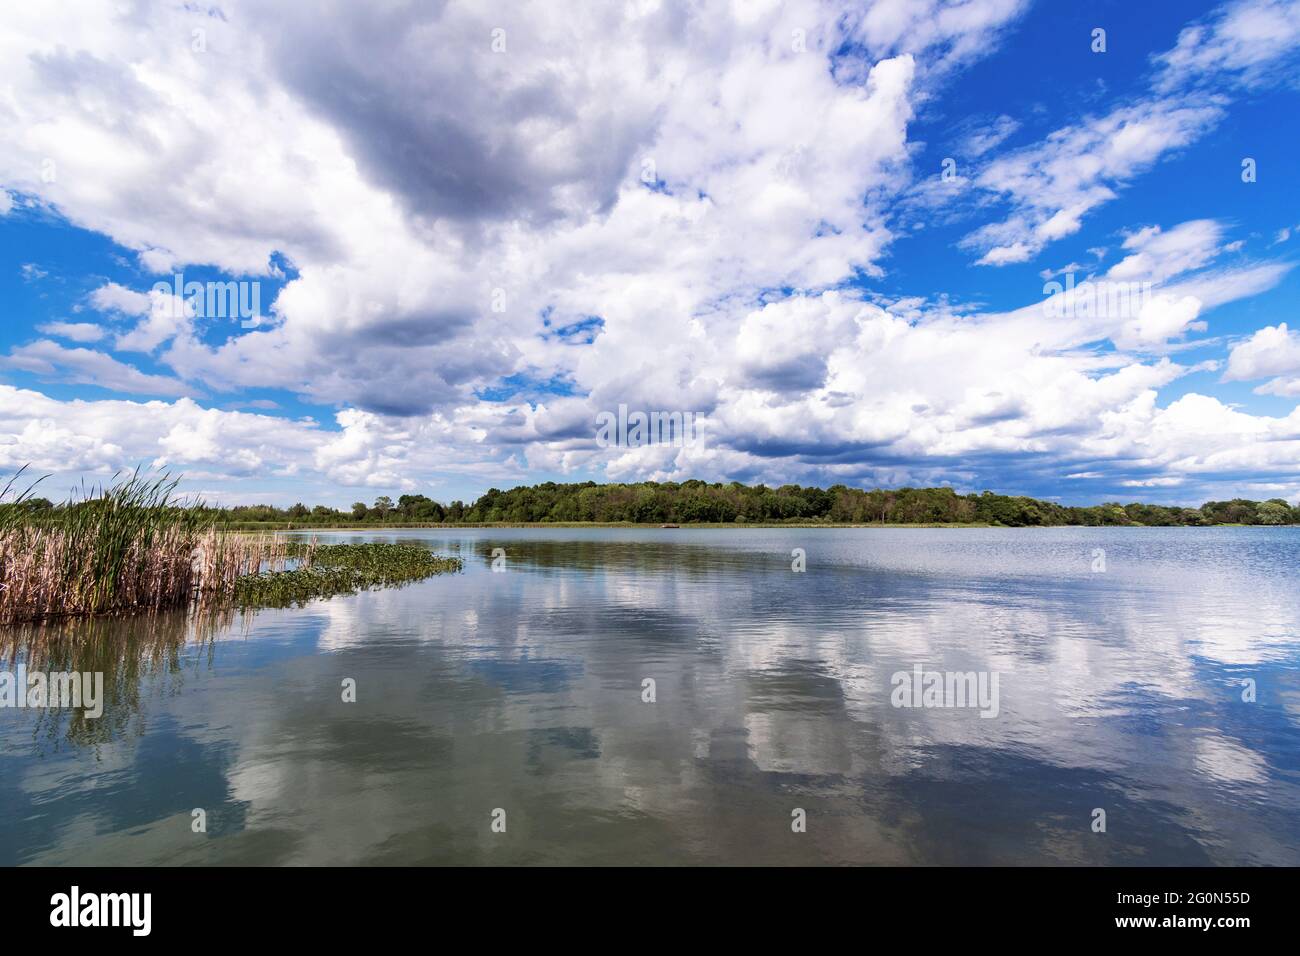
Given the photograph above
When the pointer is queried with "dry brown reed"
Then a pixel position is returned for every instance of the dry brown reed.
(130, 547)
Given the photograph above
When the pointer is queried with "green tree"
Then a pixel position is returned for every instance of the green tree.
(1274, 511)
(694, 500)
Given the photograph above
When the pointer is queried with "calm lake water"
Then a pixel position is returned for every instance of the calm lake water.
(522, 690)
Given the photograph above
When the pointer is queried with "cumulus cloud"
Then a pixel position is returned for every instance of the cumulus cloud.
(68, 437)
(112, 297)
(55, 362)
(1273, 350)
(713, 189)
(166, 316)
(536, 117)
(1160, 318)
(417, 178)
(102, 436)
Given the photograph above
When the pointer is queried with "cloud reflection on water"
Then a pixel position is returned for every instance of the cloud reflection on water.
(522, 690)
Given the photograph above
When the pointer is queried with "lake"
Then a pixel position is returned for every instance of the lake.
(658, 696)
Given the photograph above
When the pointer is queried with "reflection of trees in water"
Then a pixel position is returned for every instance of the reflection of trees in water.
(133, 652)
(695, 557)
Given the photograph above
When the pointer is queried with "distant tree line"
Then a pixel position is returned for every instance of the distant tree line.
(698, 501)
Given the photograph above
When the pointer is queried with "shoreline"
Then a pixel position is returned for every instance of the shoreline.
(276, 526)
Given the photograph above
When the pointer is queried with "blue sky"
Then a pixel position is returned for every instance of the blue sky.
(824, 229)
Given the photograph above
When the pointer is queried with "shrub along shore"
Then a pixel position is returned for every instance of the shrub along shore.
(697, 502)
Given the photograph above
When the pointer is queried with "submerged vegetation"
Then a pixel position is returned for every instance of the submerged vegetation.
(690, 502)
(135, 546)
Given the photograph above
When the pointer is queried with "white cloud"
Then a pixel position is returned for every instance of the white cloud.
(70, 437)
(76, 331)
(960, 30)
(416, 181)
(88, 367)
(1157, 255)
(1283, 387)
(1246, 39)
(101, 436)
(988, 136)
(1162, 317)
(1073, 267)
(1273, 350)
(1053, 184)
(1050, 186)
(166, 317)
(112, 297)
(519, 173)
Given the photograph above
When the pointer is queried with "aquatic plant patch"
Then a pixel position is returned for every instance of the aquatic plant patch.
(327, 570)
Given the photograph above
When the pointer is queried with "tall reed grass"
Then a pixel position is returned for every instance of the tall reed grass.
(133, 545)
